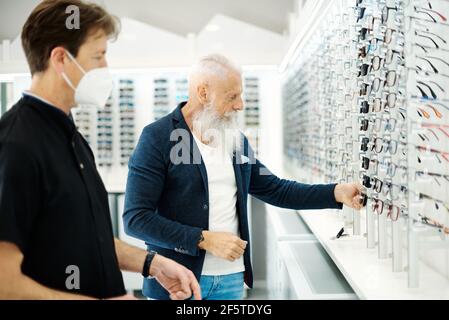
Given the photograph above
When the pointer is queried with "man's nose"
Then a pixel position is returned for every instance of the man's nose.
(238, 107)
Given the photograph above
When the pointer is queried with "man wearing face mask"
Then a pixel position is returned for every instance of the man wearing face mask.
(56, 239)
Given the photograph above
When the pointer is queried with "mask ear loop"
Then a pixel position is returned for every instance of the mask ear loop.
(75, 62)
(64, 75)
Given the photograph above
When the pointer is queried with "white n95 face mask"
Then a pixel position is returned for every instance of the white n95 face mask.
(94, 88)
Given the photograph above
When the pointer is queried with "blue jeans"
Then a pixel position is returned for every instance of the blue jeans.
(227, 287)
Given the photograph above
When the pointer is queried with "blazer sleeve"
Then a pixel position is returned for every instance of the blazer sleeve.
(147, 170)
(289, 194)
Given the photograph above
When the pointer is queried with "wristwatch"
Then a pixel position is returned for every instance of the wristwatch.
(201, 238)
(146, 266)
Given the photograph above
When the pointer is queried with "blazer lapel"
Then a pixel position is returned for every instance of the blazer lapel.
(201, 166)
(238, 177)
(196, 158)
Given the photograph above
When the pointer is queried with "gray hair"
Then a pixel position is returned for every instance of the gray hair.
(213, 65)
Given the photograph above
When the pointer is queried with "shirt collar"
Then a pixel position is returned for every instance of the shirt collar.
(49, 109)
(37, 97)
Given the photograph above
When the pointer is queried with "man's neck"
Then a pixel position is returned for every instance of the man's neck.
(189, 111)
(52, 93)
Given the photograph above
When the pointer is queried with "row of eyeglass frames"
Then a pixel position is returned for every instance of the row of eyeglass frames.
(366, 100)
(127, 119)
(105, 155)
(100, 124)
(252, 111)
(404, 73)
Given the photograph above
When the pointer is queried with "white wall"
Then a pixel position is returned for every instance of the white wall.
(142, 46)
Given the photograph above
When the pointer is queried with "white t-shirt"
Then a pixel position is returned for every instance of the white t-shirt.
(222, 206)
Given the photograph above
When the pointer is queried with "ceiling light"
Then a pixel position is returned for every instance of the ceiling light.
(212, 28)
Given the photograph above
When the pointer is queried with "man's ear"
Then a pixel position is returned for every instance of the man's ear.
(57, 59)
(203, 93)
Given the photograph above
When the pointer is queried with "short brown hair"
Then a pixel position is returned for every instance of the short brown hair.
(46, 29)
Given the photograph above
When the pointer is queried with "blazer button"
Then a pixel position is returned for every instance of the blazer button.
(205, 207)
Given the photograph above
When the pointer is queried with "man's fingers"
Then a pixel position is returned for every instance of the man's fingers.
(356, 203)
(196, 289)
(242, 244)
(185, 281)
(179, 295)
(238, 250)
(231, 257)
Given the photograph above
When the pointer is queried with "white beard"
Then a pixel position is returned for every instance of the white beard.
(216, 130)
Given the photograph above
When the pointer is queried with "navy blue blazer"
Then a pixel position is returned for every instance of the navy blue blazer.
(167, 204)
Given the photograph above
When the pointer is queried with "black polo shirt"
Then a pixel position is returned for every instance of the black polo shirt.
(53, 204)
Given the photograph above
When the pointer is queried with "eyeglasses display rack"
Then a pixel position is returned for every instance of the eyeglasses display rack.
(427, 102)
(161, 98)
(251, 111)
(127, 119)
(366, 100)
(105, 141)
(84, 121)
(181, 90)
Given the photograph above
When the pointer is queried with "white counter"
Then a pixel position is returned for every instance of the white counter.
(370, 277)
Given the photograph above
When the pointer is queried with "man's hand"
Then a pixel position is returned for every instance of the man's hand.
(223, 245)
(176, 279)
(349, 194)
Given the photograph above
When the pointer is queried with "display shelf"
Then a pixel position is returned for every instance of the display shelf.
(369, 276)
(298, 267)
(287, 224)
(312, 273)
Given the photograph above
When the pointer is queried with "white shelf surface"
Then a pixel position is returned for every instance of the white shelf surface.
(369, 276)
(287, 225)
(306, 285)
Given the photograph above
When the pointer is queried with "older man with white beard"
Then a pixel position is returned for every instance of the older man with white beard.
(188, 187)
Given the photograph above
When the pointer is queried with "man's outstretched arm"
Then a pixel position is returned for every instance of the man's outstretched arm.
(299, 196)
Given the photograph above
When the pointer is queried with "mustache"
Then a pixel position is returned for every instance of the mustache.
(216, 127)
(231, 114)
(210, 114)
